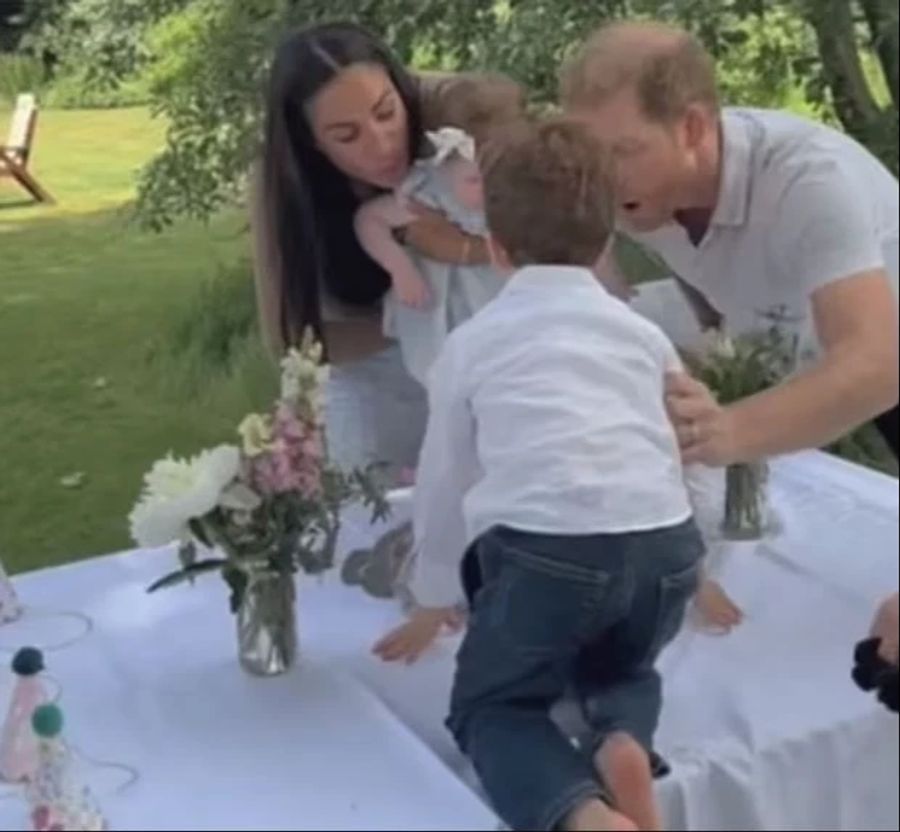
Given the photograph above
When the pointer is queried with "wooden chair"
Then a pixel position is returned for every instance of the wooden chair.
(14, 154)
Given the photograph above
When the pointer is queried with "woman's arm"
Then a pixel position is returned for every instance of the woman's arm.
(434, 236)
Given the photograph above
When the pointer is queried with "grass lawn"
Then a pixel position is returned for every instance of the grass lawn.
(83, 297)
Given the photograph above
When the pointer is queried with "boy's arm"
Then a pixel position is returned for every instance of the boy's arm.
(447, 468)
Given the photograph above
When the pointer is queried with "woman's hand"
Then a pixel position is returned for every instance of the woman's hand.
(705, 429)
(432, 234)
(409, 641)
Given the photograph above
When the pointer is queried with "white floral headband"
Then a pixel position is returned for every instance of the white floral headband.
(450, 140)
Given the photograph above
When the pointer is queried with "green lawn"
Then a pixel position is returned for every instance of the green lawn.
(84, 296)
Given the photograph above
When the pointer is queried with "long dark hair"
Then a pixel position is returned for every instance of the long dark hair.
(309, 204)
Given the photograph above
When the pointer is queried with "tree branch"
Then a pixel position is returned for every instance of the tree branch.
(881, 17)
(832, 21)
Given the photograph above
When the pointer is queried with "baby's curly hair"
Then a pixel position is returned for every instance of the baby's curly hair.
(548, 193)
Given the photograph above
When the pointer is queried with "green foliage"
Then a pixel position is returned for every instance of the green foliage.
(18, 74)
(211, 335)
(735, 368)
(97, 49)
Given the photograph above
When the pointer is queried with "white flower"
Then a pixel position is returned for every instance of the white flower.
(719, 345)
(240, 498)
(256, 434)
(176, 491)
(303, 375)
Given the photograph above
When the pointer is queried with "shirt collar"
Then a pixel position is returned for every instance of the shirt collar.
(734, 187)
(551, 278)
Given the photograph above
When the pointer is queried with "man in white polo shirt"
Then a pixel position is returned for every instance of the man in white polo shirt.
(759, 211)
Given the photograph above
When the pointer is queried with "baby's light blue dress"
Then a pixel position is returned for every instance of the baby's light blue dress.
(457, 291)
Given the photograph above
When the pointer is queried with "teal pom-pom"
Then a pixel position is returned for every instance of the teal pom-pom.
(47, 721)
(29, 661)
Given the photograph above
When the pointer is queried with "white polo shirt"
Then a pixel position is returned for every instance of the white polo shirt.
(800, 206)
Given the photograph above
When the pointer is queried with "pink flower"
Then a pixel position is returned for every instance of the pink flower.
(40, 819)
(295, 461)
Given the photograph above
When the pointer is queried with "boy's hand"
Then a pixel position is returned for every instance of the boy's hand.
(409, 641)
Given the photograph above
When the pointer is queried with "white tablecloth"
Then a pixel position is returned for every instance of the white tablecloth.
(157, 686)
(764, 728)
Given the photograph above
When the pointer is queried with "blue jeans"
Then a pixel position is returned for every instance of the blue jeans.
(554, 614)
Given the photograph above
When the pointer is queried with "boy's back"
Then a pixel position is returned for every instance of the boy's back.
(565, 387)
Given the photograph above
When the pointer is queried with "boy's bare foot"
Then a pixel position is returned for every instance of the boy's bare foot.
(624, 767)
(715, 610)
(595, 816)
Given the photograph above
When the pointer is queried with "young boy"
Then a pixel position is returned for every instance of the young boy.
(549, 451)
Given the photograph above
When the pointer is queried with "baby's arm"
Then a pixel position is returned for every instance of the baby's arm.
(374, 223)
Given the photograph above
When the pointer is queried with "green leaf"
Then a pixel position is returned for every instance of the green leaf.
(187, 574)
(198, 529)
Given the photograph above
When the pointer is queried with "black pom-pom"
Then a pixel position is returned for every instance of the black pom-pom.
(866, 677)
(29, 661)
(866, 652)
(887, 693)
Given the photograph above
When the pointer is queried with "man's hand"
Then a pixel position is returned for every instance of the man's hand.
(409, 641)
(884, 628)
(705, 429)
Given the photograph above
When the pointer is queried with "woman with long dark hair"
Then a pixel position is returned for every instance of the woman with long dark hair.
(344, 122)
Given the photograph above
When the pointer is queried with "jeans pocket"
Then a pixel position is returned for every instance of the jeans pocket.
(675, 592)
(546, 607)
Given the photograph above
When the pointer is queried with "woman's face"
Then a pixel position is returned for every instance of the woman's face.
(360, 124)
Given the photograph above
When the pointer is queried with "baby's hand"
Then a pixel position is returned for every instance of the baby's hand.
(408, 642)
(411, 289)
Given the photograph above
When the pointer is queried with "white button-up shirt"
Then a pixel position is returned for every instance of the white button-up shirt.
(547, 415)
(800, 206)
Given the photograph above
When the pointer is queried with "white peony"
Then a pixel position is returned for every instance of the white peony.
(177, 490)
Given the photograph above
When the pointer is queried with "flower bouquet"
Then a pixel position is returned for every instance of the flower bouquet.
(733, 369)
(258, 513)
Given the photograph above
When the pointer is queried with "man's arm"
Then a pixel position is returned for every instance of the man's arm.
(856, 380)
(834, 257)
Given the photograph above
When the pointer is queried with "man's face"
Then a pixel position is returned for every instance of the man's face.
(653, 161)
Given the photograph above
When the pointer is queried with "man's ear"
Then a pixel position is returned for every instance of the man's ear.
(697, 124)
